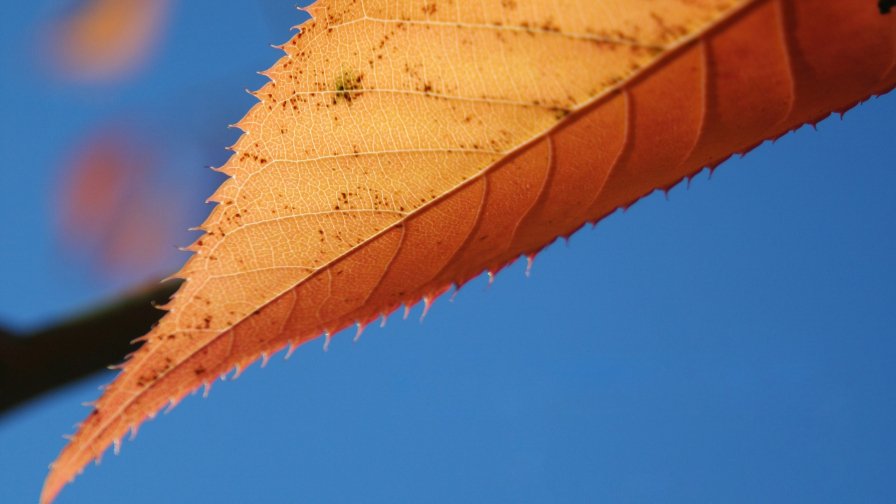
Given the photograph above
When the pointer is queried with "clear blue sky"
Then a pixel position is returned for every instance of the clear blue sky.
(734, 343)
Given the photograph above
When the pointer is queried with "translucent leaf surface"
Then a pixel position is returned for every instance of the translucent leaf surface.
(405, 147)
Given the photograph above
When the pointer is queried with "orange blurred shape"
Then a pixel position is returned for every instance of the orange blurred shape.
(106, 39)
(108, 214)
(93, 187)
(143, 238)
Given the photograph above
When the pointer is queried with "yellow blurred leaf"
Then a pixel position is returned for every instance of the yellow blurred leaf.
(106, 39)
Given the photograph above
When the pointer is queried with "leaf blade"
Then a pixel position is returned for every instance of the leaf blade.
(377, 234)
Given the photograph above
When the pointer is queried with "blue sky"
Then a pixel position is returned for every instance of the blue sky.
(733, 342)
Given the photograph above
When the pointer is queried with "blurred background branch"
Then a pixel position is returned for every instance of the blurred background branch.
(34, 363)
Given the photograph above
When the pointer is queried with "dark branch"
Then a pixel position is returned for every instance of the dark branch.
(31, 364)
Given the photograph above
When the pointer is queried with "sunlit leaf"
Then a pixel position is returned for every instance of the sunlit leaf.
(405, 147)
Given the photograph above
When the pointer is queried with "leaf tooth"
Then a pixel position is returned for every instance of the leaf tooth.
(196, 246)
(215, 199)
(530, 260)
(256, 93)
(239, 125)
(456, 288)
(293, 345)
(217, 169)
(427, 303)
(360, 330)
(314, 10)
(430, 298)
(173, 402)
(170, 278)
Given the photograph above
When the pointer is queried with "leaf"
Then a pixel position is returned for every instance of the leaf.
(405, 147)
(105, 39)
(111, 216)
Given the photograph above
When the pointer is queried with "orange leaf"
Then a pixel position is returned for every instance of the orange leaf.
(405, 147)
(107, 210)
(107, 38)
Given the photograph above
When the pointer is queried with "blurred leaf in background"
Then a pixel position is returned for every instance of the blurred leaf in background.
(115, 212)
(97, 40)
